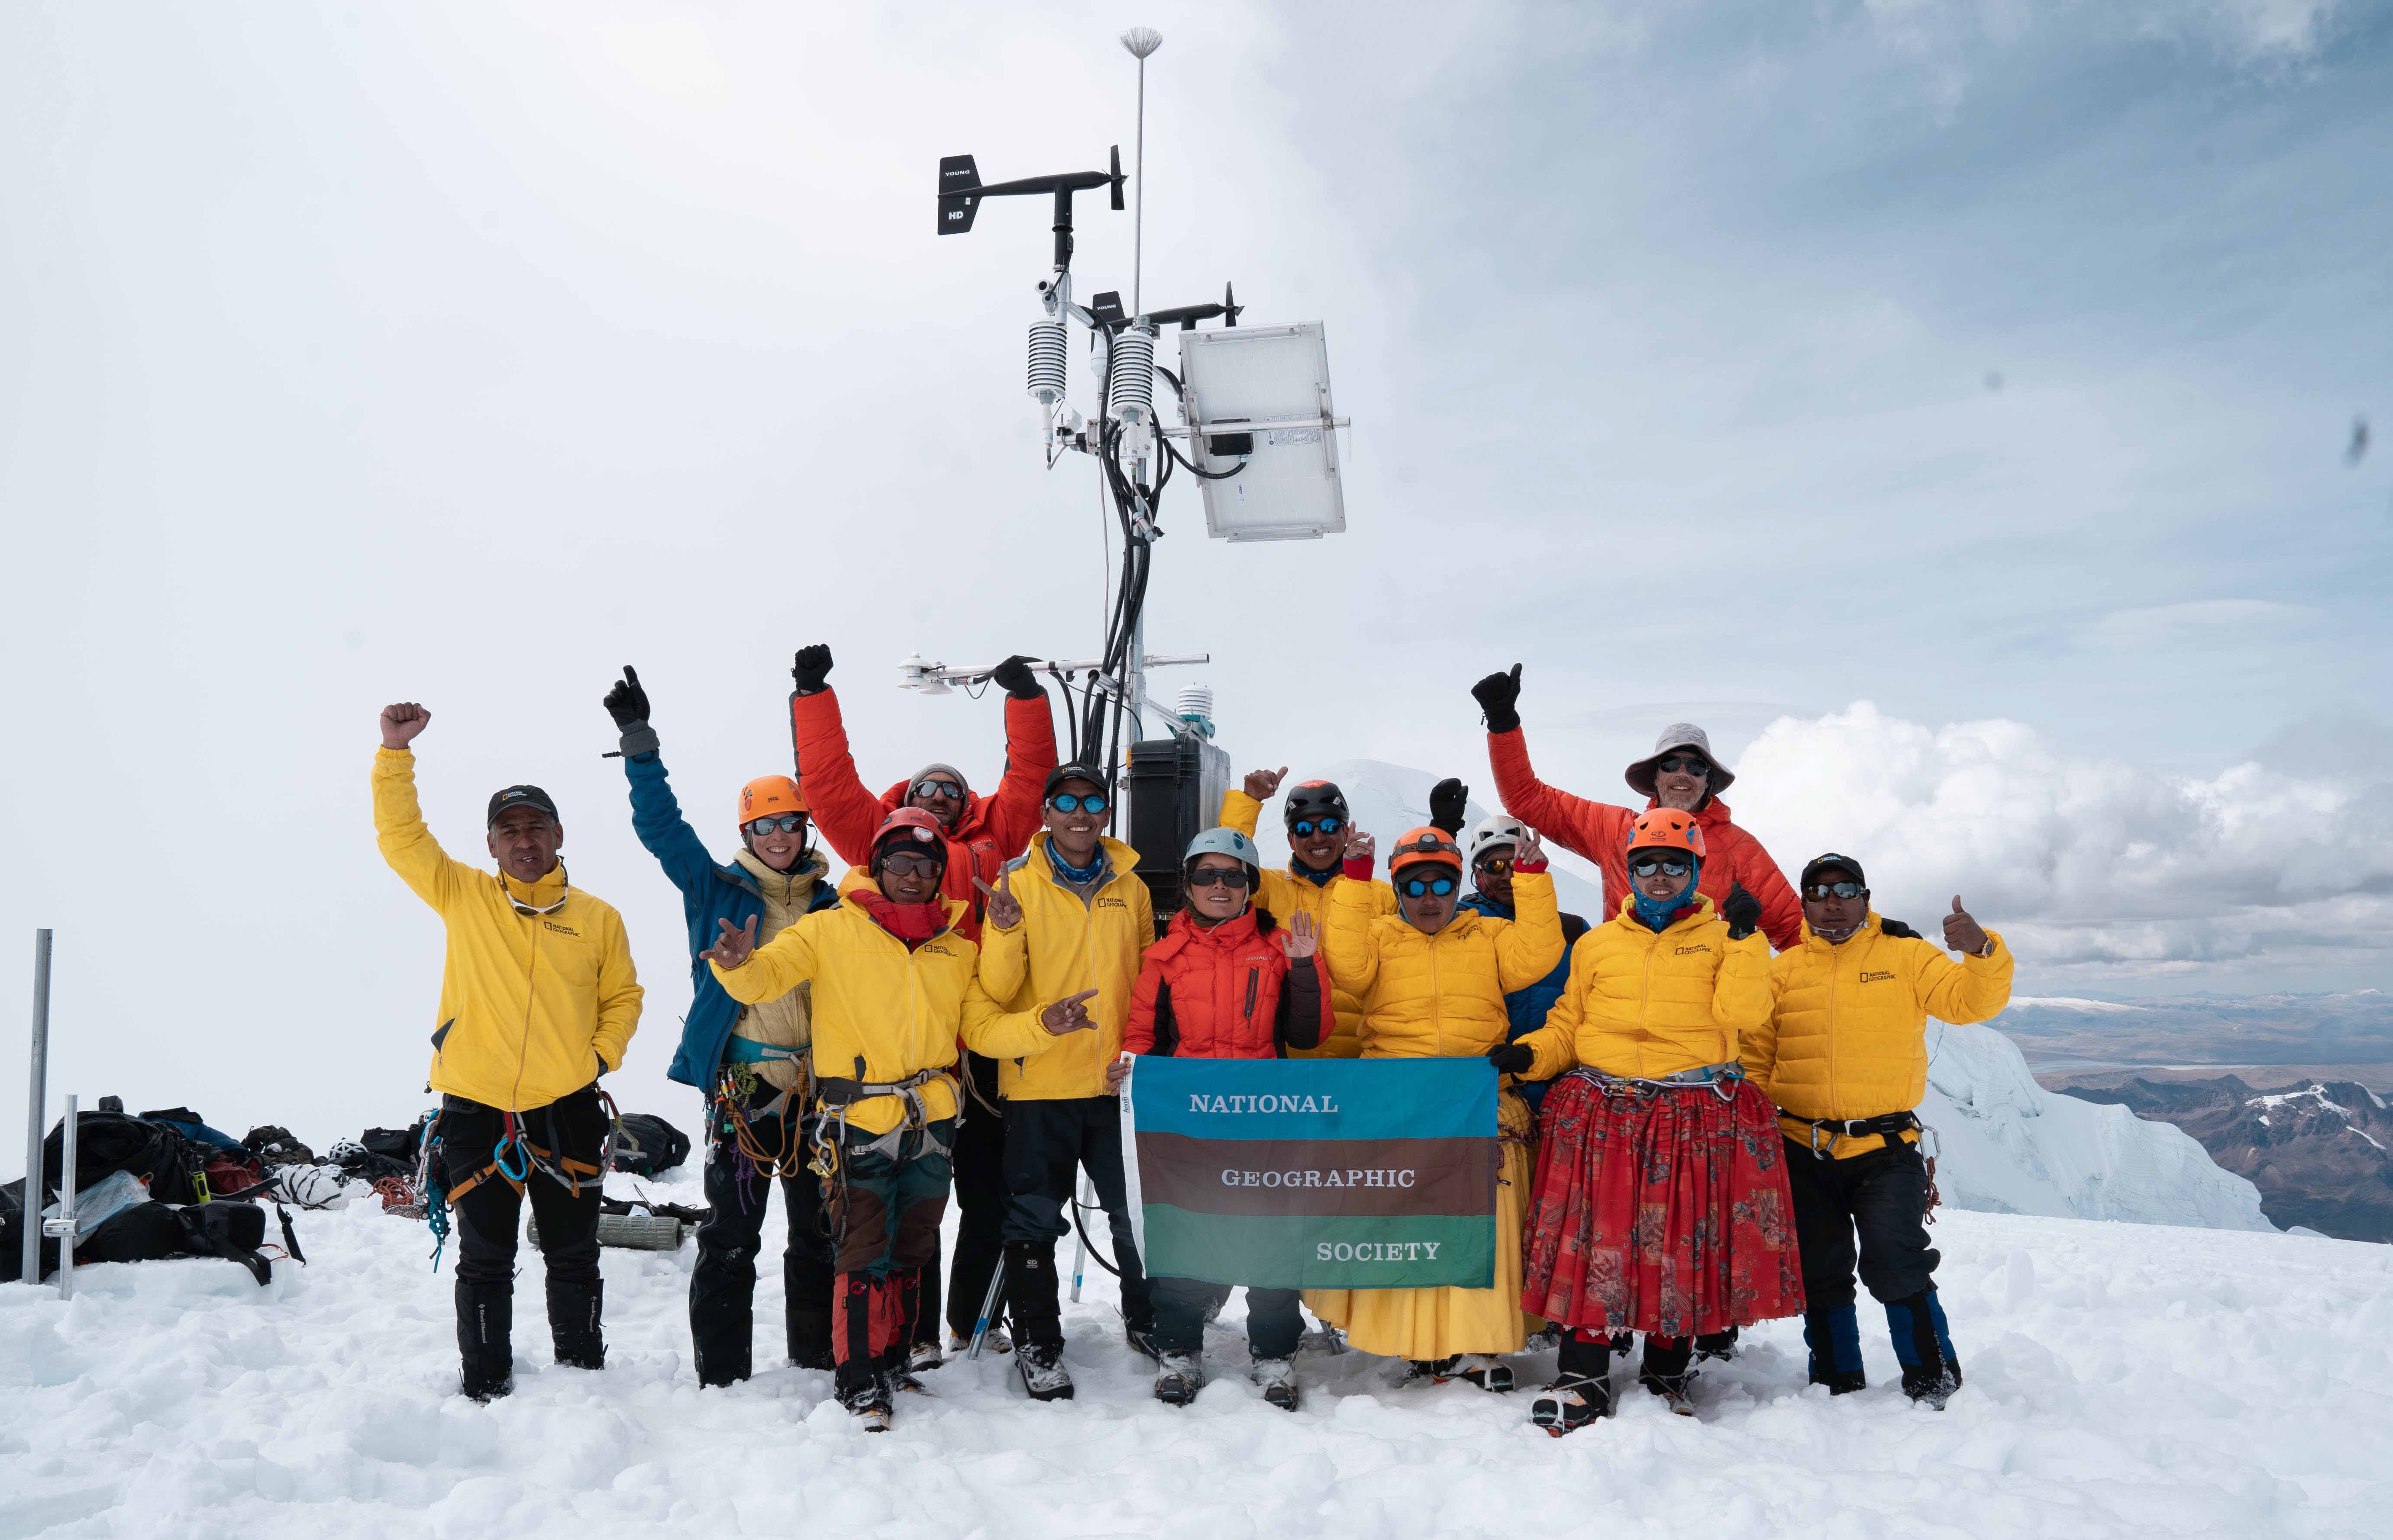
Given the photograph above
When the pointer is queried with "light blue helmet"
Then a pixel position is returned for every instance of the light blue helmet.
(1223, 841)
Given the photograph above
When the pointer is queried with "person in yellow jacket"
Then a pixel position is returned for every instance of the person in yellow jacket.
(1845, 1057)
(1660, 1204)
(1071, 914)
(1431, 978)
(538, 998)
(895, 984)
(1320, 831)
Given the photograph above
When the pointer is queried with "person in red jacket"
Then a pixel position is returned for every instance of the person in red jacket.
(1226, 983)
(1681, 773)
(982, 834)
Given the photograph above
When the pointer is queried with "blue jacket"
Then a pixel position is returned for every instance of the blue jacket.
(709, 892)
(1528, 1007)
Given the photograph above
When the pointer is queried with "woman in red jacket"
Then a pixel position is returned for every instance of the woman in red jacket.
(1216, 986)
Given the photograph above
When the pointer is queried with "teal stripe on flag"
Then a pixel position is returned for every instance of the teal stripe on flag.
(1311, 1098)
(1423, 1251)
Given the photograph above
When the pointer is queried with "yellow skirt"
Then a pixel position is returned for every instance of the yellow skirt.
(1431, 1324)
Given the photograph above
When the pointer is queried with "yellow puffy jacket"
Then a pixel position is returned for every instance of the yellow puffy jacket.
(1063, 946)
(1285, 896)
(530, 1004)
(1438, 997)
(900, 1011)
(1848, 1037)
(1644, 1005)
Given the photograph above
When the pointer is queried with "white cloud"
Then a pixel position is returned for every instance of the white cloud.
(2093, 864)
(2196, 622)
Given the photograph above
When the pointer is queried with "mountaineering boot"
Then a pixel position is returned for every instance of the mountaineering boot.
(1716, 1344)
(1931, 1372)
(923, 1357)
(1041, 1367)
(484, 1324)
(1278, 1378)
(1484, 1370)
(1141, 1343)
(1834, 1334)
(573, 1324)
(1545, 1339)
(994, 1341)
(1581, 1393)
(1665, 1372)
(1182, 1376)
(867, 1401)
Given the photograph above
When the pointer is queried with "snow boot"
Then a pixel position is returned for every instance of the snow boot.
(1484, 1370)
(1041, 1367)
(1834, 1334)
(1545, 1339)
(1581, 1393)
(1720, 1345)
(573, 1323)
(1931, 1371)
(1278, 1378)
(994, 1341)
(485, 1345)
(869, 1402)
(1664, 1371)
(1141, 1343)
(922, 1357)
(1183, 1376)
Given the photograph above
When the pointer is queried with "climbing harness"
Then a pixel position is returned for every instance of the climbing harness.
(1721, 1080)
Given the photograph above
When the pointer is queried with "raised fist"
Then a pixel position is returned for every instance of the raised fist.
(813, 668)
(1448, 800)
(1014, 675)
(1742, 912)
(401, 721)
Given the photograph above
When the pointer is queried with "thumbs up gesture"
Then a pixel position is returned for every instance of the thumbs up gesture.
(1963, 934)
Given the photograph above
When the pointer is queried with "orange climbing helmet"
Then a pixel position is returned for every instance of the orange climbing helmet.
(1426, 845)
(768, 796)
(1666, 829)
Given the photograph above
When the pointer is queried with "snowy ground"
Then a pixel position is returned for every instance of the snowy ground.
(2122, 1380)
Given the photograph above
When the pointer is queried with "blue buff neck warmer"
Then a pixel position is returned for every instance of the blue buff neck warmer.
(1080, 877)
(1656, 913)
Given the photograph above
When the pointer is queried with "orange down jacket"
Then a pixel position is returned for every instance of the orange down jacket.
(990, 831)
(1227, 991)
(1599, 832)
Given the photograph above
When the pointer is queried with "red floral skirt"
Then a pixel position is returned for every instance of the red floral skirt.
(1659, 1210)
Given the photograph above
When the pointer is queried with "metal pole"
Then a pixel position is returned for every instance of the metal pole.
(1138, 219)
(66, 1220)
(36, 1093)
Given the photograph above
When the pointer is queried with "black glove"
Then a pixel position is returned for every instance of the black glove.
(1015, 674)
(1742, 912)
(813, 668)
(1511, 1058)
(1497, 694)
(1898, 929)
(628, 704)
(595, 1055)
(1447, 801)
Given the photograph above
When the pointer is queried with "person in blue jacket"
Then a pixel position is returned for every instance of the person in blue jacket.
(1492, 844)
(750, 1061)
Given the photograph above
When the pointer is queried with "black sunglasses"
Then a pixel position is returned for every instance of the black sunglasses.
(912, 865)
(1668, 869)
(1417, 886)
(1835, 890)
(785, 823)
(1218, 876)
(952, 791)
(1688, 763)
(1073, 801)
(1305, 828)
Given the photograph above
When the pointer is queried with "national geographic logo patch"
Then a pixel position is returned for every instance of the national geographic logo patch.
(1875, 978)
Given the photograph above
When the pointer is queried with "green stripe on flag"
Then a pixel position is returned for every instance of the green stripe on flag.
(1309, 1251)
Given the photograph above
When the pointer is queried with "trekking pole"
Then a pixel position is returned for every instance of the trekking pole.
(1081, 1234)
(988, 1309)
(62, 1228)
(36, 1091)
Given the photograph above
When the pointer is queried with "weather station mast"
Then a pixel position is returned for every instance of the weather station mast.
(1254, 429)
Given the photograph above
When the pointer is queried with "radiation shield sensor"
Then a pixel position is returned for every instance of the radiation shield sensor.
(1256, 400)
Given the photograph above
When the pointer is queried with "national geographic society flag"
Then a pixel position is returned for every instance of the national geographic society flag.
(1313, 1173)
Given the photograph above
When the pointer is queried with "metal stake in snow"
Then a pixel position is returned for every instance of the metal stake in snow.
(1141, 42)
(62, 1228)
(36, 1091)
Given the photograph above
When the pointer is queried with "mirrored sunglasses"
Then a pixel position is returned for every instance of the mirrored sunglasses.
(1416, 886)
(1692, 764)
(1668, 869)
(785, 823)
(1304, 829)
(912, 865)
(952, 791)
(1835, 890)
(1073, 801)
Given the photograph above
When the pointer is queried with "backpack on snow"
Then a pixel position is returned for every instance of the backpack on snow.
(648, 1144)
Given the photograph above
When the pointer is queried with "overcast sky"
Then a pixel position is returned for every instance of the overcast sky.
(1947, 405)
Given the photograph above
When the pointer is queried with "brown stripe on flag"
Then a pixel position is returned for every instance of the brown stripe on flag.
(1335, 1177)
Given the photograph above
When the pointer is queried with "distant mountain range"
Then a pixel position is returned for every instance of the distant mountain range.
(2321, 1153)
(2228, 1030)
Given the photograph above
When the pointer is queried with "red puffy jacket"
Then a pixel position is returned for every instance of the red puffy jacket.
(990, 831)
(1226, 992)
(1599, 832)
